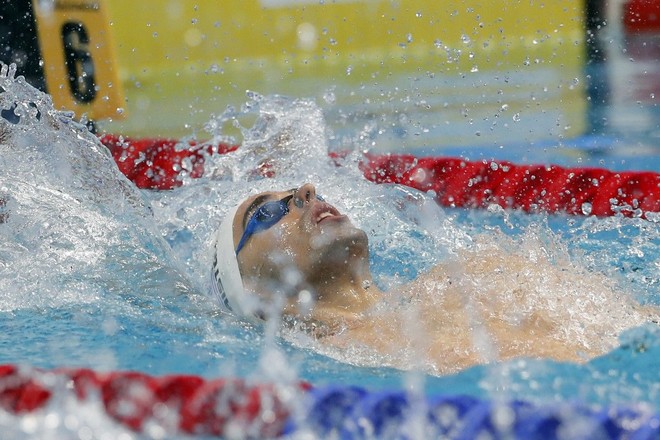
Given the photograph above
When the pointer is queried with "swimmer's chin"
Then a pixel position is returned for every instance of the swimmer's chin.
(341, 234)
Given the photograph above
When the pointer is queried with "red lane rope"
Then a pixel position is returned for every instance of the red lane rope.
(199, 406)
(531, 188)
(158, 164)
(641, 16)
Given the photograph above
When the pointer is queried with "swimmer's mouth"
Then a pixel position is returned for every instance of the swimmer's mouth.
(324, 211)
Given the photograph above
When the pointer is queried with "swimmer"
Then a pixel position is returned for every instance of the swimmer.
(483, 307)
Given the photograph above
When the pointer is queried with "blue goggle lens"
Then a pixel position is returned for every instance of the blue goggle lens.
(265, 217)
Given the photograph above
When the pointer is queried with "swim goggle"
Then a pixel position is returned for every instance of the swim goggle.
(267, 216)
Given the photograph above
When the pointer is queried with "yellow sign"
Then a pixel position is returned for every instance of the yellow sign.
(182, 61)
(79, 60)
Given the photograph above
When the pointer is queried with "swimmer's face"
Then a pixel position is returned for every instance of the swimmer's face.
(312, 239)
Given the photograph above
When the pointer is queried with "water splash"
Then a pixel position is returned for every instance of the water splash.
(80, 245)
(288, 141)
(288, 136)
(408, 232)
(66, 206)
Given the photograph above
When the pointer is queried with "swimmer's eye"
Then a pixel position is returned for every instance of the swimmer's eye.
(265, 217)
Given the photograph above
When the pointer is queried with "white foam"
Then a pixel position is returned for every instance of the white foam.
(73, 225)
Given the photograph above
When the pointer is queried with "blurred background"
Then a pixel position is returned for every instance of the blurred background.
(390, 75)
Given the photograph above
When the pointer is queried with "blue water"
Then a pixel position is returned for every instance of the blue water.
(95, 273)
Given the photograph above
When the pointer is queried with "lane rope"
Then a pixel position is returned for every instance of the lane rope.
(641, 16)
(155, 163)
(159, 164)
(201, 407)
(191, 405)
(531, 188)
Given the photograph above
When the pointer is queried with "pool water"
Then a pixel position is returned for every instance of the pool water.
(95, 273)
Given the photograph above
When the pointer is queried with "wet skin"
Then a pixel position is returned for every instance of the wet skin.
(312, 247)
(486, 305)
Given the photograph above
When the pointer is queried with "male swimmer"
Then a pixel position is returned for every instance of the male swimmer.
(296, 247)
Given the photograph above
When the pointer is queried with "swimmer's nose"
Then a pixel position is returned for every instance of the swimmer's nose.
(304, 194)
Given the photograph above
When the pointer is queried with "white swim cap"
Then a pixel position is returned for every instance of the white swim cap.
(226, 281)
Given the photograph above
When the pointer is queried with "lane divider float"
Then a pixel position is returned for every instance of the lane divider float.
(234, 408)
(531, 188)
(641, 16)
(158, 164)
(183, 404)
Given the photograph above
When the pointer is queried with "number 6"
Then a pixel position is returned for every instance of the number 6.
(79, 63)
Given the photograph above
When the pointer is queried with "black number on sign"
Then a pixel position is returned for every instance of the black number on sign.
(78, 60)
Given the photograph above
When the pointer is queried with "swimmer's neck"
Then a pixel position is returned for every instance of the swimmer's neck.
(348, 290)
(347, 298)
(336, 307)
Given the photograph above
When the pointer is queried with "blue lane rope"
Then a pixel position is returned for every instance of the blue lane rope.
(354, 413)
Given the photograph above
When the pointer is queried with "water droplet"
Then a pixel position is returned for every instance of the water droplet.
(586, 208)
(516, 117)
(329, 97)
